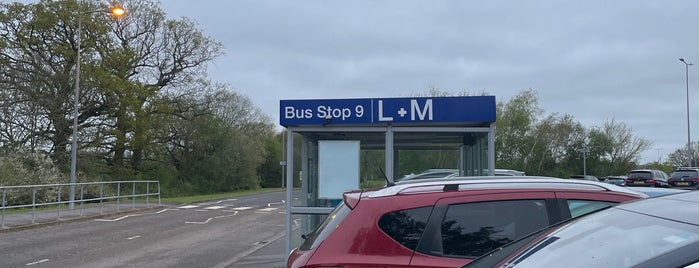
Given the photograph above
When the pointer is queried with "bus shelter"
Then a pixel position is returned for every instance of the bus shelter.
(335, 145)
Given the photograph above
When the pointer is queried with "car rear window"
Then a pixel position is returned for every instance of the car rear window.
(314, 238)
(473, 229)
(684, 174)
(405, 226)
(639, 175)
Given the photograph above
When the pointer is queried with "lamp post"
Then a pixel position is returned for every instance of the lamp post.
(689, 142)
(114, 11)
(584, 151)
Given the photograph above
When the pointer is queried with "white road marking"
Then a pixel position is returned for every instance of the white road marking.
(227, 200)
(189, 206)
(133, 237)
(276, 203)
(243, 208)
(37, 262)
(200, 222)
(118, 219)
(210, 219)
(215, 207)
(161, 211)
(267, 209)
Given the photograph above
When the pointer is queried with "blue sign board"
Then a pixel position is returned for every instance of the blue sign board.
(387, 110)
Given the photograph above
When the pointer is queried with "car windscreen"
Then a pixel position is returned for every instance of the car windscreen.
(314, 238)
(594, 241)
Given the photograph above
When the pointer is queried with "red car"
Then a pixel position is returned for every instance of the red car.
(446, 222)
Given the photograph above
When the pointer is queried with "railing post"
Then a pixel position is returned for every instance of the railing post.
(3, 208)
(118, 195)
(101, 196)
(82, 192)
(147, 193)
(59, 201)
(133, 195)
(159, 194)
(33, 203)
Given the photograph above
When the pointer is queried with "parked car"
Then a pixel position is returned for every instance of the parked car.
(584, 177)
(448, 222)
(685, 177)
(454, 173)
(616, 180)
(647, 177)
(508, 172)
(653, 232)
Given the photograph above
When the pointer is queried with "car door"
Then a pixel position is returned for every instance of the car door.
(462, 228)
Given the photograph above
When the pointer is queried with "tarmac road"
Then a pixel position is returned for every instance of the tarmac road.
(245, 231)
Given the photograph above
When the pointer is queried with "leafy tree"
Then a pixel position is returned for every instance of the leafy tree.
(39, 50)
(680, 157)
(156, 57)
(552, 139)
(515, 122)
(270, 171)
(146, 107)
(618, 147)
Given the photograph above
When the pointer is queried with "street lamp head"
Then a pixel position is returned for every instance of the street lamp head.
(685, 62)
(117, 11)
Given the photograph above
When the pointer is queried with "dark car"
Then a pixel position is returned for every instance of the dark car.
(648, 233)
(685, 178)
(448, 222)
(647, 177)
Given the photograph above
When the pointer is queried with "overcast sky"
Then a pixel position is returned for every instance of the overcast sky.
(595, 60)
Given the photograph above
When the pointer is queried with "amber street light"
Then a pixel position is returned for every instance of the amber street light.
(115, 11)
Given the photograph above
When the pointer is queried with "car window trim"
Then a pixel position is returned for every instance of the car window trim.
(433, 226)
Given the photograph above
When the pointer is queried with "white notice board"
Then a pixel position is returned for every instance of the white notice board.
(338, 168)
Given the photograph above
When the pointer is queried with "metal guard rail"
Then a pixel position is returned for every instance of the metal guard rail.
(119, 194)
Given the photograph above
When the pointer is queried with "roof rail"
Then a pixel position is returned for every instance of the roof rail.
(452, 184)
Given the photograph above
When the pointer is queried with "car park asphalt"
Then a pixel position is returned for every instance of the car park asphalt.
(270, 253)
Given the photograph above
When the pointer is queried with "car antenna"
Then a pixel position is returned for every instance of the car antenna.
(388, 183)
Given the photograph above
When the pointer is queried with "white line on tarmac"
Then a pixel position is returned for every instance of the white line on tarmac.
(117, 219)
(210, 219)
(226, 200)
(276, 203)
(37, 262)
(161, 211)
(133, 237)
(133, 215)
